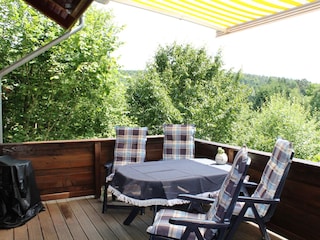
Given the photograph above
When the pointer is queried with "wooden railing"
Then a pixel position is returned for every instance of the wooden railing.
(75, 168)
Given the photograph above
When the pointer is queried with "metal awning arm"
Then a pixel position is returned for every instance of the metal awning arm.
(41, 50)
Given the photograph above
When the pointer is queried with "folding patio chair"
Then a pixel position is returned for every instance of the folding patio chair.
(130, 148)
(176, 224)
(260, 207)
(178, 142)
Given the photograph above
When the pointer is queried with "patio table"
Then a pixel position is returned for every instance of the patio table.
(158, 183)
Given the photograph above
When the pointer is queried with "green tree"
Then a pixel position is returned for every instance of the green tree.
(284, 117)
(185, 85)
(150, 104)
(263, 87)
(315, 102)
(71, 91)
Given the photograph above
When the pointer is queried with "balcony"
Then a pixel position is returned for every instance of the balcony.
(68, 169)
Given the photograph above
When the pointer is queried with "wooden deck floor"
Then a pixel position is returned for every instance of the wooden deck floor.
(82, 219)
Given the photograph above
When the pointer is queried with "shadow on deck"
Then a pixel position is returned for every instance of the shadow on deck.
(81, 218)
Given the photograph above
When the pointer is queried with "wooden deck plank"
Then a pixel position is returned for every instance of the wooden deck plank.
(142, 222)
(97, 220)
(34, 229)
(6, 234)
(84, 221)
(59, 221)
(21, 233)
(116, 226)
(137, 229)
(47, 225)
(71, 221)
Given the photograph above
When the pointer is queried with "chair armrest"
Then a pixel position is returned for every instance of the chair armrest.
(197, 203)
(198, 199)
(198, 223)
(258, 200)
(247, 185)
(250, 184)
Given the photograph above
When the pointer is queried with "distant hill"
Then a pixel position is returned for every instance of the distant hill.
(255, 80)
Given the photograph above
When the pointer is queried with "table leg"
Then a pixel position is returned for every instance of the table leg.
(134, 212)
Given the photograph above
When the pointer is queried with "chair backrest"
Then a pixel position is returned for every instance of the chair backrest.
(178, 141)
(274, 175)
(130, 145)
(224, 204)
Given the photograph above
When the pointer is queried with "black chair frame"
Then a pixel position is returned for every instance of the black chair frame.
(249, 203)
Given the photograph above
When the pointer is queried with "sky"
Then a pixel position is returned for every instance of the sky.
(287, 48)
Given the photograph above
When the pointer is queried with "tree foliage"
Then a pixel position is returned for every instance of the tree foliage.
(185, 85)
(315, 102)
(284, 117)
(263, 87)
(72, 90)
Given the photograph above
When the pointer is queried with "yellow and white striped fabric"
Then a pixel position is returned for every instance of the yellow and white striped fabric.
(226, 16)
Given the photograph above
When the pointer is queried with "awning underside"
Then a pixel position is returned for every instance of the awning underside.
(63, 12)
(229, 15)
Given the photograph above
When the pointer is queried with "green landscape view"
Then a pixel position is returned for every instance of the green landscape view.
(77, 90)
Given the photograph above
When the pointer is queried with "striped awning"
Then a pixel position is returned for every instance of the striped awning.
(229, 15)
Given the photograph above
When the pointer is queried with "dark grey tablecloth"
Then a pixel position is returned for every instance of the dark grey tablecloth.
(160, 182)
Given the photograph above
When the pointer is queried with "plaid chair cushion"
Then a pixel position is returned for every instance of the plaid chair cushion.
(178, 141)
(221, 209)
(130, 146)
(273, 173)
(162, 227)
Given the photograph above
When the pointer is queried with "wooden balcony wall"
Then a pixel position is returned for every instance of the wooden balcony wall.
(66, 169)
